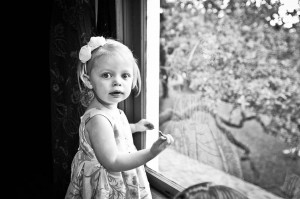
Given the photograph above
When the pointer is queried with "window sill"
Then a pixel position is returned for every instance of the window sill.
(161, 185)
(201, 173)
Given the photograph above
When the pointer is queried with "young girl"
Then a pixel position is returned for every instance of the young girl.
(107, 164)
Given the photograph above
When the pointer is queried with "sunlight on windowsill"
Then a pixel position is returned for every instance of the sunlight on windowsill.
(186, 171)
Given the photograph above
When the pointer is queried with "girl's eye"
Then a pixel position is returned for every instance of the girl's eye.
(126, 75)
(106, 75)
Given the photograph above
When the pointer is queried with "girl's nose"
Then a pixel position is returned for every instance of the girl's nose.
(117, 82)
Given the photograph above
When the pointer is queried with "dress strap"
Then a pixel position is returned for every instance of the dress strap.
(84, 145)
(95, 111)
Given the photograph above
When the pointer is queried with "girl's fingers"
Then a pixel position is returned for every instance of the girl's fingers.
(170, 139)
(149, 126)
(163, 138)
(161, 134)
(167, 137)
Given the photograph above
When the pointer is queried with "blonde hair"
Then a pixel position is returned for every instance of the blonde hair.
(111, 48)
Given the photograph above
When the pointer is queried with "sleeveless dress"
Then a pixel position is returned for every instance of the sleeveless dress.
(90, 180)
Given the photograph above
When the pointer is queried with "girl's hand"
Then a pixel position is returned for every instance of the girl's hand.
(164, 141)
(143, 125)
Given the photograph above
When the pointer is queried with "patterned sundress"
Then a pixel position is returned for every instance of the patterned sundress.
(90, 180)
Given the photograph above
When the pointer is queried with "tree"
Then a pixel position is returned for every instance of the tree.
(233, 53)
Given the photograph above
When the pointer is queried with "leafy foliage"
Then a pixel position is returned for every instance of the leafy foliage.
(232, 54)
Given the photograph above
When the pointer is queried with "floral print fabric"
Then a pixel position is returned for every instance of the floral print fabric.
(90, 180)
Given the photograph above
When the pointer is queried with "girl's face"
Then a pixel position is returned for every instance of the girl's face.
(111, 79)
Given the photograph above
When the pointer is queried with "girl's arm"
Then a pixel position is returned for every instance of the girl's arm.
(102, 140)
(142, 125)
(132, 127)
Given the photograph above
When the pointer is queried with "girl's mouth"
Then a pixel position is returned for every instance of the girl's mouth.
(116, 93)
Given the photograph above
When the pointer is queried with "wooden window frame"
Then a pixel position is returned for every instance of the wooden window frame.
(131, 16)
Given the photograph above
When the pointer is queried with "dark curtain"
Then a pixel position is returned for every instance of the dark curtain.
(72, 24)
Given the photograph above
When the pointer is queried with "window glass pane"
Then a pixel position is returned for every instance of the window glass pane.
(229, 95)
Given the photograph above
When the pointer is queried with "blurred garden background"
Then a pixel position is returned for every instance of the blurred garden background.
(235, 63)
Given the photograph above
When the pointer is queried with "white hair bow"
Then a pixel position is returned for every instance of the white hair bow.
(85, 51)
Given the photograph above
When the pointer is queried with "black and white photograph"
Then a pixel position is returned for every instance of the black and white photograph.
(174, 99)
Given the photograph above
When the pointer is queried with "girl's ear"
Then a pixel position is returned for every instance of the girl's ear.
(86, 81)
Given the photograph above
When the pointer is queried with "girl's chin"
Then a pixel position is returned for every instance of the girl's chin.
(115, 100)
(112, 100)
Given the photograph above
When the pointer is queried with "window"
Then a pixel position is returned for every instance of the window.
(131, 29)
(138, 26)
